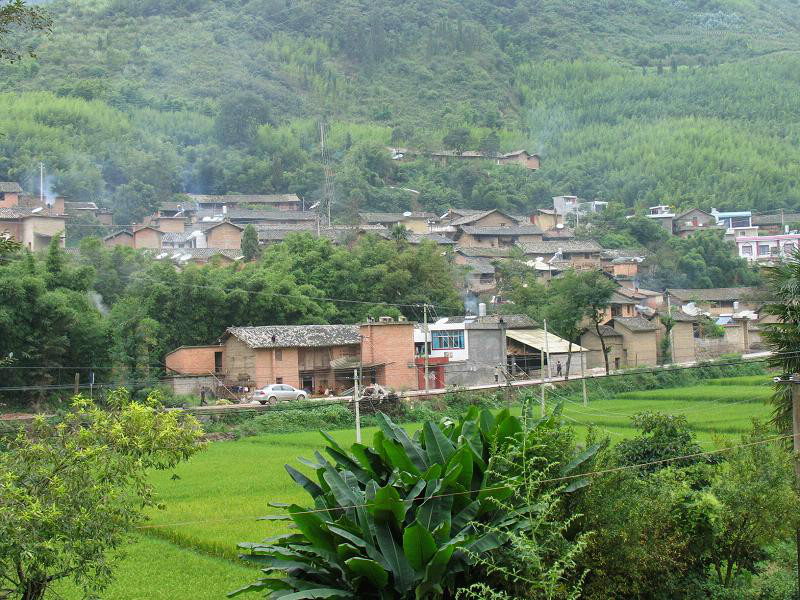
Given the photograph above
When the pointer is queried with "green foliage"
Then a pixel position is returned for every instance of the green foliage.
(17, 16)
(250, 248)
(703, 260)
(79, 486)
(783, 337)
(406, 516)
(662, 437)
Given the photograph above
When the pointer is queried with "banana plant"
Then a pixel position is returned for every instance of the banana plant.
(397, 519)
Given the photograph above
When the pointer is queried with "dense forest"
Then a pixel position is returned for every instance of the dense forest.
(129, 102)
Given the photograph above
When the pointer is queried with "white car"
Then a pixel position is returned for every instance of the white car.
(278, 392)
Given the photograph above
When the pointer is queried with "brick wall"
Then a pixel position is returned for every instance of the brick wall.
(146, 238)
(191, 360)
(224, 236)
(392, 344)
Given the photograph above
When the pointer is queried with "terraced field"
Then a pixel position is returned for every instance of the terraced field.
(188, 550)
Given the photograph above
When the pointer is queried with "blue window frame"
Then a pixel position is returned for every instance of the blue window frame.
(448, 340)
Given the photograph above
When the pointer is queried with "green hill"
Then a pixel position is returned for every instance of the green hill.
(682, 101)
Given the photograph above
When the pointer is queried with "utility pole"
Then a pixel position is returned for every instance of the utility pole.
(77, 383)
(357, 407)
(425, 345)
(583, 382)
(547, 351)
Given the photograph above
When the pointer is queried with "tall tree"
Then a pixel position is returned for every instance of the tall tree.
(457, 139)
(250, 248)
(594, 293)
(72, 491)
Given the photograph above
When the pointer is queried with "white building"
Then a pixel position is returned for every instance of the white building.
(767, 247)
(736, 223)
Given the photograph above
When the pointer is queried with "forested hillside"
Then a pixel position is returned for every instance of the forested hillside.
(131, 101)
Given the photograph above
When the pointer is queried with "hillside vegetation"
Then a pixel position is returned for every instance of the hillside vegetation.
(689, 102)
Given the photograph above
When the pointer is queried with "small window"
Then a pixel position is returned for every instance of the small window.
(747, 250)
(763, 249)
(279, 380)
(279, 354)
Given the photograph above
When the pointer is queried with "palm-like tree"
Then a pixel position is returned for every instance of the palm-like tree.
(783, 337)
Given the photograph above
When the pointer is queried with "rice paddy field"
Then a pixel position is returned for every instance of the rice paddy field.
(188, 550)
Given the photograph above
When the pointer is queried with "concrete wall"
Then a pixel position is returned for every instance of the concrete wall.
(640, 347)
(594, 358)
(190, 385)
(224, 235)
(37, 231)
(190, 360)
(146, 238)
(489, 352)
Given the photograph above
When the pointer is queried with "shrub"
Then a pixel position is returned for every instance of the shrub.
(406, 517)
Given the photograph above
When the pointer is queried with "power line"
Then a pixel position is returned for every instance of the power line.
(506, 487)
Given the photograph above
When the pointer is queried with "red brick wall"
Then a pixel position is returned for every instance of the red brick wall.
(392, 344)
(146, 238)
(9, 200)
(192, 360)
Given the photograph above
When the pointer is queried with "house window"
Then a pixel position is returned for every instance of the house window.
(747, 250)
(788, 247)
(763, 249)
(616, 310)
(217, 362)
(448, 340)
(279, 380)
(279, 354)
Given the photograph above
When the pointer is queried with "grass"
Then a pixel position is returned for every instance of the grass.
(188, 550)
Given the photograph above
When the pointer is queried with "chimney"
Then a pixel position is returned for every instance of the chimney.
(482, 309)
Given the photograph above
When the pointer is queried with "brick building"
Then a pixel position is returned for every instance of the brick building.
(33, 227)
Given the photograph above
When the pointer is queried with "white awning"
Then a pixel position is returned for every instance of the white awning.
(535, 339)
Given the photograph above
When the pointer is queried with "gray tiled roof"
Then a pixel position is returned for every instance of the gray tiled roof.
(565, 233)
(243, 214)
(552, 246)
(80, 206)
(713, 294)
(636, 323)
(471, 218)
(511, 230)
(488, 252)
(296, 336)
(14, 212)
(187, 254)
(480, 265)
(245, 198)
(175, 237)
(10, 187)
(682, 317)
(605, 331)
(381, 217)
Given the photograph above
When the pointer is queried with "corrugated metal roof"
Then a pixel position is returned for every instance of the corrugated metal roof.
(535, 338)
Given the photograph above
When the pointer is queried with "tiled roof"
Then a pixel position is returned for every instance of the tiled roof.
(510, 321)
(552, 246)
(19, 212)
(636, 323)
(617, 298)
(713, 294)
(512, 230)
(187, 254)
(480, 265)
(116, 233)
(243, 214)
(245, 198)
(489, 252)
(776, 219)
(606, 331)
(80, 206)
(435, 237)
(682, 317)
(471, 218)
(9, 187)
(175, 237)
(296, 336)
(385, 217)
(565, 233)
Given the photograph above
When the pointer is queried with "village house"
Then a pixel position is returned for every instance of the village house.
(594, 347)
(147, 237)
(663, 215)
(223, 235)
(736, 223)
(88, 209)
(690, 221)
(414, 221)
(546, 218)
(33, 227)
(9, 194)
(122, 237)
(775, 224)
(581, 254)
(683, 348)
(767, 248)
(244, 216)
(521, 158)
(716, 301)
(311, 357)
(505, 236)
(270, 202)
